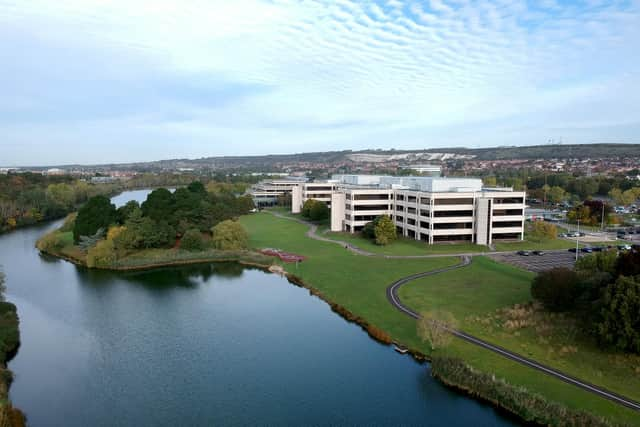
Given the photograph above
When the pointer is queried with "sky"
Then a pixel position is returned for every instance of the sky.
(99, 81)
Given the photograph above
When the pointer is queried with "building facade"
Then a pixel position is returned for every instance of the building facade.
(429, 209)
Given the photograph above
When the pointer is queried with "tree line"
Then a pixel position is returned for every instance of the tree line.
(602, 291)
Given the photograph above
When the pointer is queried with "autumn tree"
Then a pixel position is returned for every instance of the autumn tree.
(229, 235)
(435, 327)
(384, 230)
(543, 230)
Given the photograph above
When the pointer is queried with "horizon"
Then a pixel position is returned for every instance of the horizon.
(444, 149)
(88, 82)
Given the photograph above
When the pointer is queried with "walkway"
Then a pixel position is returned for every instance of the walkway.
(394, 299)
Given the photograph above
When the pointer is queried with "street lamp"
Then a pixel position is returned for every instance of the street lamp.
(577, 239)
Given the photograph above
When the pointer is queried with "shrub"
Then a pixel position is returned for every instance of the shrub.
(102, 255)
(532, 407)
(192, 240)
(307, 206)
(435, 327)
(50, 242)
(229, 235)
(556, 289)
(69, 222)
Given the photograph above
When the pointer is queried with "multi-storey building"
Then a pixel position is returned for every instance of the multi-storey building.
(266, 193)
(429, 209)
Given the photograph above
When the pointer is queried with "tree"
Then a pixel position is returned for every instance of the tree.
(192, 240)
(369, 230)
(142, 232)
(556, 289)
(306, 207)
(557, 194)
(198, 188)
(125, 210)
(319, 211)
(435, 327)
(542, 230)
(489, 181)
(244, 204)
(97, 213)
(159, 205)
(620, 315)
(229, 235)
(385, 230)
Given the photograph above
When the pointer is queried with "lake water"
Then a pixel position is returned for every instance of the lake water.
(203, 345)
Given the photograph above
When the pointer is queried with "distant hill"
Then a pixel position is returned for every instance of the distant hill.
(276, 162)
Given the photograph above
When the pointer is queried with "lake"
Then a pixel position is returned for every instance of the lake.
(215, 344)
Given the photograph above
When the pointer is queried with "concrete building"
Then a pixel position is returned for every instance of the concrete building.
(429, 209)
(266, 193)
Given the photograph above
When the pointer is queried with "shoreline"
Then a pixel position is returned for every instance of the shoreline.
(378, 335)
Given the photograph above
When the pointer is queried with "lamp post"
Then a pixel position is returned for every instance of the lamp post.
(577, 239)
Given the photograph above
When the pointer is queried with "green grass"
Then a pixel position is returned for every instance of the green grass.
(358, 283)
(404, 246)
(474, 294)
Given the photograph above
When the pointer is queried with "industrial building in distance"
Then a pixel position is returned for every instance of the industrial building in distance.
(430, 209)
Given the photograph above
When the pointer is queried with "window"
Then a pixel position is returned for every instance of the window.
(465, 201)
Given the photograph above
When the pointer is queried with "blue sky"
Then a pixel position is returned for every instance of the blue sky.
(95, 81)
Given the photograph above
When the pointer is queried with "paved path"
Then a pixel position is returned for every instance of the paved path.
(392, 296)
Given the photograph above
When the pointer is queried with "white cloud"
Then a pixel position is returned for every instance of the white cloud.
(388, 66)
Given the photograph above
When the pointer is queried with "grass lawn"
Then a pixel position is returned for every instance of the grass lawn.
(476, 296)
(404, 246)
(358, 283)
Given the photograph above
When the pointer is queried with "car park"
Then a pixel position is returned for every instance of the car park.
(539, 253)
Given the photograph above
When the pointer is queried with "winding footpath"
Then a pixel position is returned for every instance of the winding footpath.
(394, 299)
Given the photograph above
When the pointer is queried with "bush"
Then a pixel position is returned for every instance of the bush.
(102, 255)
(50, 242)
(69, 222)
(307, 206)
(556, 289)
(319, 211)
(229, 235)
(192, 240)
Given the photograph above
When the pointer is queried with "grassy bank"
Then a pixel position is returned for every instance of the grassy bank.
(358, 284)
(490, 300)
(154, 258)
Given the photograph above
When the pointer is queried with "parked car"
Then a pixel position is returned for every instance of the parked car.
(598, 248)
(572, 249)
(587, 250)
(624, 247)
(524, 253)
(539, 253)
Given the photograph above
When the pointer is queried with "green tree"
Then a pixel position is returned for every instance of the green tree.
(125, 210)
(192, 240)
(385, 230)
(229, 235)
(489, 181)
(620, 315)
(97, 213)
(319, 211)
(307, 206)
(557, 194)
(369, 230)
(556, 289)
(159, 205)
